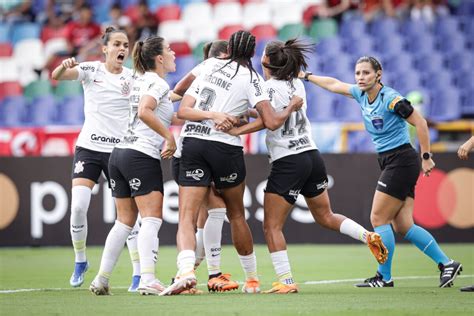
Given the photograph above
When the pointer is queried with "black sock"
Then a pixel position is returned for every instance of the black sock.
(214, 275)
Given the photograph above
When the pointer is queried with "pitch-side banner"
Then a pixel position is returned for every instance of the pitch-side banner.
(35, 199)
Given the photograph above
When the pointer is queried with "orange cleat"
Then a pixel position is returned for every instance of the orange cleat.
(376, 246)
(251, 286)
(222, 283)
(280, 288)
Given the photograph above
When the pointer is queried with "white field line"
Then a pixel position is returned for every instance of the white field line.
(306, 283)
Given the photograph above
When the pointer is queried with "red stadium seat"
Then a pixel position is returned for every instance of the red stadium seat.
(247, 1)
(227, 31)
(219, 1)
(168, 12)
(10, 88)
(181, 48)
(264, 31)
(6, 49)
(308, 14)
(133, 13)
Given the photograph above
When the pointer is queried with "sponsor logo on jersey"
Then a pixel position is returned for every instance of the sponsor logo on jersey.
(86, 68)
(195, 174)
(197, 129)
(134, 184)
(299, 143)
(103, 139)
(129, 139)
(271, 92)
(79, 167)
(294, 193)
(323, 185)
(230, 178)
(258, 87)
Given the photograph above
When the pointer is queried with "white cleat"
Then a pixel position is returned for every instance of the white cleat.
(181, 283)
(98, 288)
(251, 286)
(155, 287)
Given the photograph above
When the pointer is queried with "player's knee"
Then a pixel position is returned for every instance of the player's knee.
(324, 216)
(80, 200)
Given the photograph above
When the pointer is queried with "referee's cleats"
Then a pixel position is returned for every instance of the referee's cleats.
(376, 246)
(449, 272)
(376, 281)
(77, 277)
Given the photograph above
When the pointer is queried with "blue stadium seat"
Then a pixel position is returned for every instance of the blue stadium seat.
(467, 103)
(360, 141)
(4, 33)
(347, 109)
(183, 3)
(407, 81)
(451, 42)
(437, 80)
(42, 111)
(446, 25)
(383, 26)
(352, 28)
(71, 111)
(184, 64)
(361, 46)
(155, 4)
(12, 111)
(337, 64)
(329, 46)
(24, 31)
(459, 60)
(398, 62)
(419, 43)
(429, 62)
(466, 8)
(260, 46)
(320, 104)
(445, 104)
(388, 45)
(127, 3)
(464, 79)
(414, 27)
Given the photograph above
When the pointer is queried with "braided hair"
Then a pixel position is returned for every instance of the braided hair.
(241, 49)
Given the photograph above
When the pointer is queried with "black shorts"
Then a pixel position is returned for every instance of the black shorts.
(89, 164)
(303, 173)
(205, 161)
(133, 173)
(175, 169)
(400, 170)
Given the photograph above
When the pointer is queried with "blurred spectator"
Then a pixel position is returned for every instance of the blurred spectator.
(54, 26)
(81, 32)
(146, 24)
(334, 8)
(427, 10)
(372, 9)
(117, 18)
(17, 11)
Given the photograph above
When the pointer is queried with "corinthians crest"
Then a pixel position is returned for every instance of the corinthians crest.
(125, 88)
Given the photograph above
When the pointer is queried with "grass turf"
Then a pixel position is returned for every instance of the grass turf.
(47, 270)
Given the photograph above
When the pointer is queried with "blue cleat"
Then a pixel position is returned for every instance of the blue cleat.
(77, 277)
(135, 282)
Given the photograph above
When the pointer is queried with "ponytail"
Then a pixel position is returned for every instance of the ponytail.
(138, 63)
(144, 53)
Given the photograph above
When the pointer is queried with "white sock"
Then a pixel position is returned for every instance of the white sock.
(186, 260)
(200, 253)
(132, 245)
(281, 263)
(354, 230)
(80, 199)
(249, 264)
(148, 244)
(212, 239)
(113, 248)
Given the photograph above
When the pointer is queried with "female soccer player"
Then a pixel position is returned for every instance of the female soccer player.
(134, 168)
(209, 228)
(297, 165)
(106, 92)
(223, 90)
(385, 114)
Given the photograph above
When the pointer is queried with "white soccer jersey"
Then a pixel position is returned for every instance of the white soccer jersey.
(139, 136)
(295, 135)
(105, 106)
(215, 90)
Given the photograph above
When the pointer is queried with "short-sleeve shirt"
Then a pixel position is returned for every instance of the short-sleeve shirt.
(218, 90)
(105, 106)
(387, 129)
(295, 135)
(139, 136)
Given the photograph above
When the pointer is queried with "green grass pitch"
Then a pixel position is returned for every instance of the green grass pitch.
(416, 292)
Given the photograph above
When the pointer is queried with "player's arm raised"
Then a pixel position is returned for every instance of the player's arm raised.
(67, 70)
(328, 83)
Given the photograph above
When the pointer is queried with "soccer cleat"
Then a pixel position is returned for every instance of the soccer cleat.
(154, 287)
(135, 283)
(469, 288)
(222, 283)
(251, 286)
(98, 288)
(280, 288)
(376, 281)
(448, 273)
(191, 291)
(180, 284)
(376, 246)
(77, 277)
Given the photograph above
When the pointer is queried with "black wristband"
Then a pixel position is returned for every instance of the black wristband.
(306, 75)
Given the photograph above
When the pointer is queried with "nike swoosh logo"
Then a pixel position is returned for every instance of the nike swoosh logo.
(97, 81)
